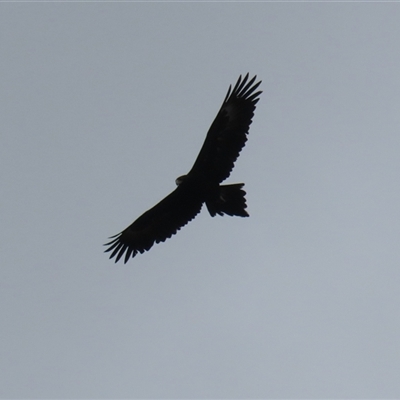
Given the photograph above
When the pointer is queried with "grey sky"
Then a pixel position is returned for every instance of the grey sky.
(103, 105)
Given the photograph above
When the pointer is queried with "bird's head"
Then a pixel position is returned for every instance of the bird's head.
(180, 179)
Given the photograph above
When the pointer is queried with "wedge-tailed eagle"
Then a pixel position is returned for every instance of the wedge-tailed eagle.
(224, 141)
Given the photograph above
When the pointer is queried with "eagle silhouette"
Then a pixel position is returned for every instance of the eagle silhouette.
(224, 141)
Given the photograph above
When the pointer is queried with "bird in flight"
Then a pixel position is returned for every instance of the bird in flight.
(202, 184)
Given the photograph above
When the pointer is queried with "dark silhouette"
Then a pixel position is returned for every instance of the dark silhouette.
(224, 141)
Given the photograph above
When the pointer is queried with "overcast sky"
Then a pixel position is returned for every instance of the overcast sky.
(103, 105)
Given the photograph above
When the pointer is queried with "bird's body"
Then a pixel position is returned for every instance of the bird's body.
(202, 184)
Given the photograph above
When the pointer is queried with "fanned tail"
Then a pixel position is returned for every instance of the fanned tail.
(231, 201)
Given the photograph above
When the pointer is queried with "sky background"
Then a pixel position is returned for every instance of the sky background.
(103, 105)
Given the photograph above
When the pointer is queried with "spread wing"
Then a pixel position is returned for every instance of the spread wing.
(156, 225)
(228, 133)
